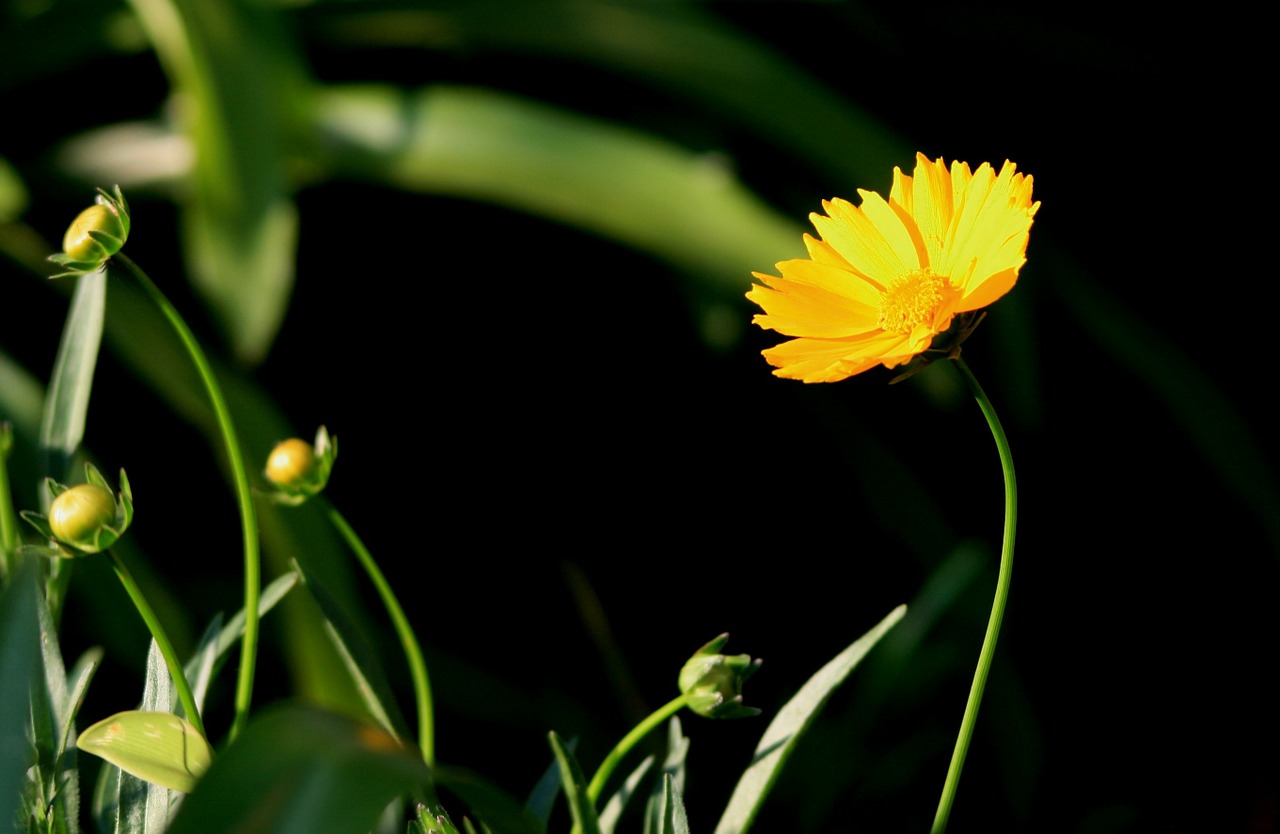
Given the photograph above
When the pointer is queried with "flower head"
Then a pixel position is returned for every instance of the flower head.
(888, 276)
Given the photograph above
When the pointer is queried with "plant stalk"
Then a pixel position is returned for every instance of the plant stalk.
(408, 640)
(629, 741)
(248, 516)
(997, 607)
(162, 641)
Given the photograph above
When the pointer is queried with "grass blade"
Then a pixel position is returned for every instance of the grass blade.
(789, 725)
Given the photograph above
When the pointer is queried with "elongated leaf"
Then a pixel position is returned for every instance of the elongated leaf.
(300, 770)
(57, 777)
(68, 401)
(157, 746)
(19, 665)
(788, 726)
(673, 819)
(575, 789)
(235, 68)
(589, 173)
(673, 766)
(617, 803)
(360, 659)
(217, 640)
(543, 796)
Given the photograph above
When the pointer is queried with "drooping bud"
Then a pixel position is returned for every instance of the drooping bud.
(713, 681)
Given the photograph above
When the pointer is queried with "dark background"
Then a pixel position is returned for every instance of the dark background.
(523, 403)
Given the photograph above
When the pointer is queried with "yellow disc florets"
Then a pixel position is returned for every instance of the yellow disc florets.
(911, 301)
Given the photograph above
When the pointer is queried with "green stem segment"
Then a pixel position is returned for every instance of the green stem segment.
(248, 518)
(412, 651)
(8, 521)
(997, 605)
(162, 641)
(630, 740)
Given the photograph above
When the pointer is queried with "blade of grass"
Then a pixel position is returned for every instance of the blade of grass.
(786, 729)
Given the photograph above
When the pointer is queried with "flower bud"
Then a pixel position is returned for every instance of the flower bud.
(291, 464)
(83, 519)
(95, 235)
(713, 681)
(80, 513)
(81, 246)
(299, 470)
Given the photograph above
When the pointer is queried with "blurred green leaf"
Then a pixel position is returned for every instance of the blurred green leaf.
(361, 660)
(300, 770)
(786, 729)
(674, 767)
(680, 48)
(242, 88)
(575, 788)
(19, 659)
(13, 194)
(612, 811)
(620, 183)
(67, 405)
(497, 810)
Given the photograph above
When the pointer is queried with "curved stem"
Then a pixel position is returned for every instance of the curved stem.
(629, 741)
(997, 606)
(162, 641)
(248, 517)
(408, 640)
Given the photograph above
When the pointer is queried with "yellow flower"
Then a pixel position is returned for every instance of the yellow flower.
(887, 277)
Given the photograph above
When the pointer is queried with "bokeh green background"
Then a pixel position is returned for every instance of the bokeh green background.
(521, 234)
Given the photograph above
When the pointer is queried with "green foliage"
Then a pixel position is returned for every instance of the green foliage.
(299, 770)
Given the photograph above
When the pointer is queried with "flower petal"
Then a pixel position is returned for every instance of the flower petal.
(819, 307)
(824, 360)
(860, 241)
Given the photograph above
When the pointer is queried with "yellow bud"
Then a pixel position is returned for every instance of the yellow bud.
(291, 464)
(80, 512)
(80, 246)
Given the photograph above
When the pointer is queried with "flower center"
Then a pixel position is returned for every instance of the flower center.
(910, 301)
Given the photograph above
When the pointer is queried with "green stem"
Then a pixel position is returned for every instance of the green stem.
(162, 641)
(997, 606)
(630, 740)
(412, 651)
(248, 518)
(8, 521)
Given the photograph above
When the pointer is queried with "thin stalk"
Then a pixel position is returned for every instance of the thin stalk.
(8, 521)
(997, 606)
(408, 640)
(162, 641)
(248, 517)
(629, 741)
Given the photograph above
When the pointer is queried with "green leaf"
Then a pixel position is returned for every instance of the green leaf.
(673, 819)
(237, 72)
(217, 640)
(156, 746)
(496, 809)
(19, 665)
(575, 788)
(617, 803)
(67, 403)
(360, 659)
(301, 770)
(673, 766)
(786, 729)
(586, 172)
